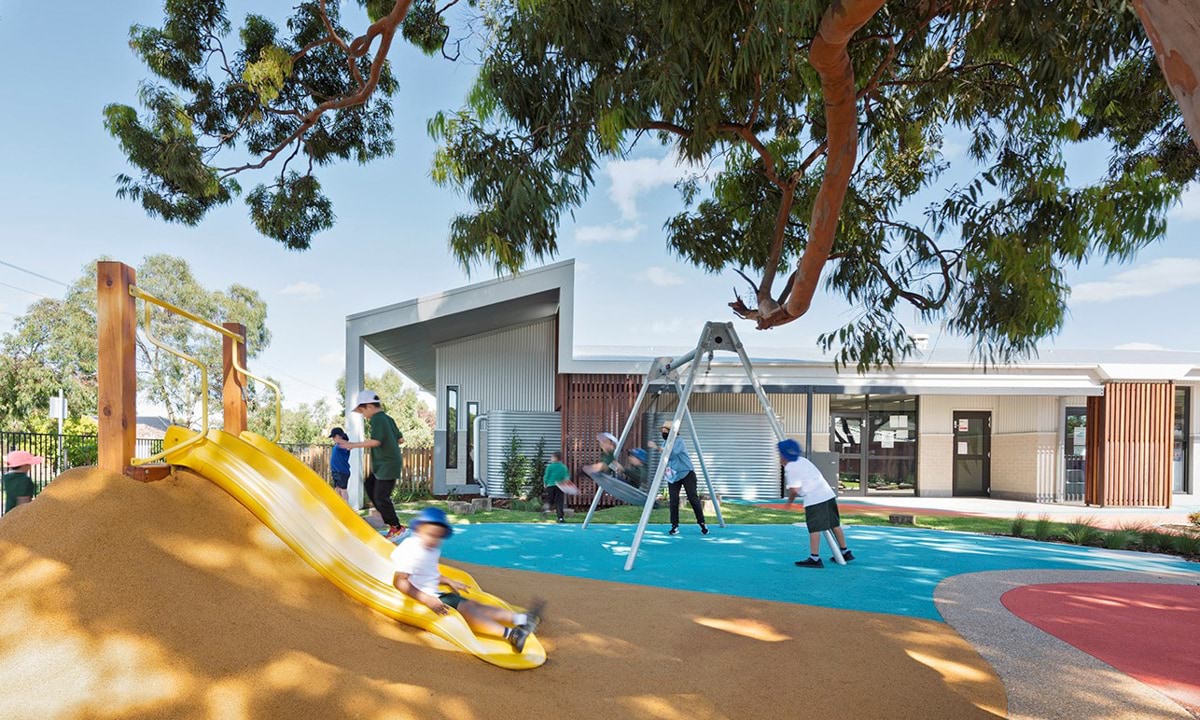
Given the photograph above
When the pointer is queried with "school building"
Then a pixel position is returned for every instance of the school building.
(1107, 428)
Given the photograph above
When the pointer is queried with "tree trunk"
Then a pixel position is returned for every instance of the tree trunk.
(1174, 30)
(831, 60)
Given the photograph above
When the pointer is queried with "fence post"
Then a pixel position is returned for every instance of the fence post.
(116, 320)
(233, 391)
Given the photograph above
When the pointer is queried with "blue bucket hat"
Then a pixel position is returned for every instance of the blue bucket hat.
(432, 515)
(640, 454)
(789, 449)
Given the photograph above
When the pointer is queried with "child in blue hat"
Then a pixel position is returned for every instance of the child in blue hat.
(416, 563)
(820, 502)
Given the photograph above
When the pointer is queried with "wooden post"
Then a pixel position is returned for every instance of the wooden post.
(234, 389)
(116, 320)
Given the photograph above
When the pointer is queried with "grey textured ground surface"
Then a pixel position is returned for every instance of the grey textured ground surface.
(1045, 677)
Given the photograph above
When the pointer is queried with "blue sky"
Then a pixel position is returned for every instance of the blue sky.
(58, 211)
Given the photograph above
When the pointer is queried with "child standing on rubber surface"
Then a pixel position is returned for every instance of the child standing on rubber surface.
(415, 561)
(820, 502)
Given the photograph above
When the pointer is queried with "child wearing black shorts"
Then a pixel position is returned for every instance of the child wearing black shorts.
(820, 502)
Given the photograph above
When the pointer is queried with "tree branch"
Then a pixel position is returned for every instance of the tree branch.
(385, 30)
(831, 60)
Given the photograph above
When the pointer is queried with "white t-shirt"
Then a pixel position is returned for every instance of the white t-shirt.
(419, 563)
(808, 480)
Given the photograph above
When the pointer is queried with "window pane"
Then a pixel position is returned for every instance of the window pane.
(451, 427)
(1179, 450)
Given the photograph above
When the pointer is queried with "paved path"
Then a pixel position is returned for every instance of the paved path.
(1046, 677)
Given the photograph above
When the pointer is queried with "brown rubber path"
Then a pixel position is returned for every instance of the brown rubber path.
(169, 600)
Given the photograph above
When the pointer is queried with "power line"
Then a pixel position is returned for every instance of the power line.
(21, 289)
(328, 391)
(36, 275)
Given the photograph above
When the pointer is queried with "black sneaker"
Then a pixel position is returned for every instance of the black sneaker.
(562, 520)
(847, 556)
(674, 530)
(809, 562)
(517, 637)
(703, 529)
(534, 615)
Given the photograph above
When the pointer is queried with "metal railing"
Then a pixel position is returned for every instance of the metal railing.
(148, 300)
(62, 452)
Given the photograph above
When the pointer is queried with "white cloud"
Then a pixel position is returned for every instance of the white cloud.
(304, 289)
(662, 277)
(631, 178)
(332, 359)
(1188, 208)
(1139, 346)
(1156, 277)
(589, 234)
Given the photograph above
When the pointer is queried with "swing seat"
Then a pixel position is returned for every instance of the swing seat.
(619, 489)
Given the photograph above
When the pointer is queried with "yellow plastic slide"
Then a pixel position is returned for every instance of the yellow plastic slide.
(312, 520)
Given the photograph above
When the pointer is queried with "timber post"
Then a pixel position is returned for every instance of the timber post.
(233, 391)
(116, 367)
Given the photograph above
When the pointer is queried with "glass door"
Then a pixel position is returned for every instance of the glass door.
(1179, 447)
(1075, 454)
(972, 453)
(845, 432)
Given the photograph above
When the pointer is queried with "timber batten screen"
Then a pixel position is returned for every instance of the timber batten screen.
(1129, 435)
(593, 403)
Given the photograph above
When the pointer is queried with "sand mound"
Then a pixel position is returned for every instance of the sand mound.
(169, 600)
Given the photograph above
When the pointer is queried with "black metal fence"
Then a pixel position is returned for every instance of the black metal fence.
(68, 451)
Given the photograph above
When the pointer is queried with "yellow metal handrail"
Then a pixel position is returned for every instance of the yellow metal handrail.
(203, 391)
(150, 299)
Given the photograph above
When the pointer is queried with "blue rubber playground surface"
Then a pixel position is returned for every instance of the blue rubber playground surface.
(895, 572)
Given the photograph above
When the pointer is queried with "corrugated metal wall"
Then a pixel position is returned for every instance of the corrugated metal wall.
(739, 450)
(790, 407)
(529, 427)
(1010, 413)
(508, 370)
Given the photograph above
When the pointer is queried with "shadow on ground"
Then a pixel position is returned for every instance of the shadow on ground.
(169, 600)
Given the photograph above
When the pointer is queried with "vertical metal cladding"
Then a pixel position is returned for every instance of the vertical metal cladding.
(511, 369)
(739, 449)
(791, 408)
(529, 427)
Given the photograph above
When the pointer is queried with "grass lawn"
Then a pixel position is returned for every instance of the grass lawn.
(735, 513)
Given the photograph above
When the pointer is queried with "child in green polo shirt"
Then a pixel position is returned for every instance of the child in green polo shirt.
(557, 481)
(18, 486)
(386, 459)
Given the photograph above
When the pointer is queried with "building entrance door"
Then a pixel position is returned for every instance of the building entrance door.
(972, 453)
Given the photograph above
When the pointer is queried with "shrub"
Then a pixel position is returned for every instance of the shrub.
(1082, 531)
(1119, 539)
(1187, 544)
(1194, 518)
(537, 471)
(514, 469)
(1017, 528)
(416, 490)
(1159, 542)
(1041, 528)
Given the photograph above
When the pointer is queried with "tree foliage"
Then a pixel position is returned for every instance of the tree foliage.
(291, 94)
(567, 84)
(829, 126)
(53, 344)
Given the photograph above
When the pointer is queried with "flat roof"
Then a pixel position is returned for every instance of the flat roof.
(406, 335)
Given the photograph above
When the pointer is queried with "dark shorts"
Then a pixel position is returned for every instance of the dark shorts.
(822, 516)
(451, 599)
(341, 480)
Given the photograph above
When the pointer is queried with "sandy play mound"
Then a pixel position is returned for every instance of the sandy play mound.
(169, 600)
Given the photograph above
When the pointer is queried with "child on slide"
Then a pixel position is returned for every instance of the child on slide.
(416, 563)
(820, 502)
